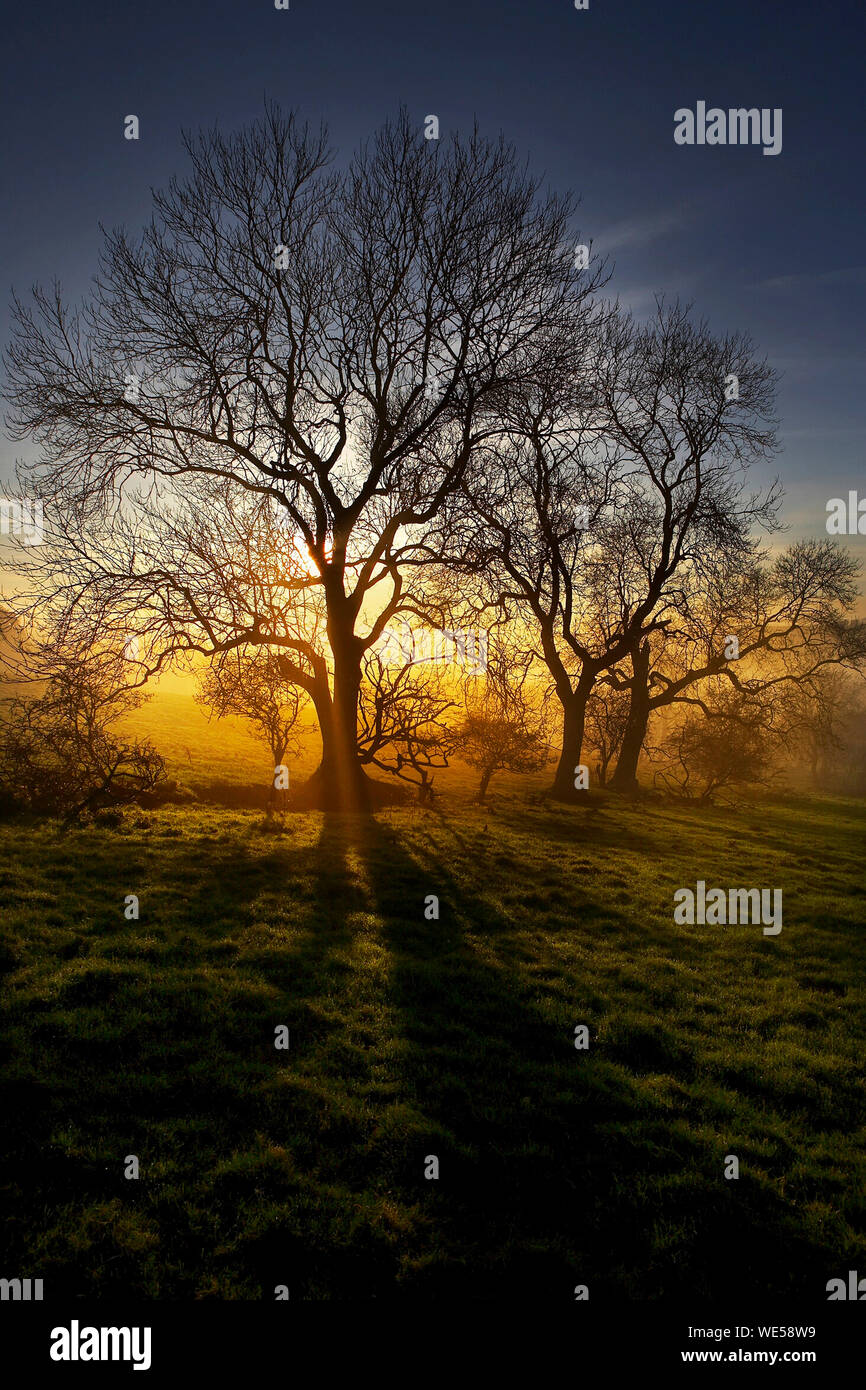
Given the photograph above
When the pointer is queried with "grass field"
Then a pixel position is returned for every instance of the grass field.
(453, 1037)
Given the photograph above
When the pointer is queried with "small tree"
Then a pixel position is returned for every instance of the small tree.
(60, 752)
(495, 739)
(250, 683)
(607, 712)
(814, 713)
(705, 755)
(402, 725)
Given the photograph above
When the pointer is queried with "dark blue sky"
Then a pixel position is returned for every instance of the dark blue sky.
(773, 245)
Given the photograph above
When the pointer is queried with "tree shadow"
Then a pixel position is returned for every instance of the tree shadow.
(518, 1120)
(545, 1152)
(308, 1166)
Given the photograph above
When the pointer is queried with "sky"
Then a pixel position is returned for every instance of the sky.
(769, 244)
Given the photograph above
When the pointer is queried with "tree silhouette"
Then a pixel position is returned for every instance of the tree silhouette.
(793, 621)
(333, 341)
(251, 684)
(606, 492)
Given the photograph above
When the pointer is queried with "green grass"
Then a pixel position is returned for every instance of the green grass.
(412, 1037)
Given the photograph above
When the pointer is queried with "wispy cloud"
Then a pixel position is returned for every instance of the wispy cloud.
(849, 275)
(826, 432)
(641, 298)
(642, 231)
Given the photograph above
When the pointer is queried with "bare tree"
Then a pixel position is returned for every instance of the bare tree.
(606, 493)
(403, 726)
(791, 620)
(335, 343)
(251, 684)
(815, 712)
(495, 740)
(607, 721)
(720, 751)
(60, 750)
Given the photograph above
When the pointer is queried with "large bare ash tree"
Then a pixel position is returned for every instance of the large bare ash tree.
(331, 341)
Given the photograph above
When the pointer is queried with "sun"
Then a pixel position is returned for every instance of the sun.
(298, 557)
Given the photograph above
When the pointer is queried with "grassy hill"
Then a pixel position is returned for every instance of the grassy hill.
(224, 763)
(411, 1037)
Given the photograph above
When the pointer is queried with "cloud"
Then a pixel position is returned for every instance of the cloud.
(850, 275)
(640, 231)
(641, 298)
(825, 432)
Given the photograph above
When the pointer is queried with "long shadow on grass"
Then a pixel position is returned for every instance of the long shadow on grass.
(307, 1166)
(554, 1169)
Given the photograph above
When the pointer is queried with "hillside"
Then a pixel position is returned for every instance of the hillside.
(451, 1037)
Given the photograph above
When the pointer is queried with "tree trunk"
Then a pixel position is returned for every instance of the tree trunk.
(278, 798)
(624, 778)
(574, 720)
(485, 783)
(272, 792)
(340, 782)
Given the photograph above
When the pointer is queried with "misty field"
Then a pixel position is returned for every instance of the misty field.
(411, 1037)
